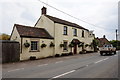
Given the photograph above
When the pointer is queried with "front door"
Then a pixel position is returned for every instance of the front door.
(75, 49)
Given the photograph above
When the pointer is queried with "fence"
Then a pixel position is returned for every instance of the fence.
(10, 51)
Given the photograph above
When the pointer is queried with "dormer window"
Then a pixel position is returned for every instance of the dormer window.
(65, 30)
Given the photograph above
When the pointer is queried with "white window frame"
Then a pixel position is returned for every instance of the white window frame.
(65, 30)
(37, 48)
(74, 32)
(66, 46)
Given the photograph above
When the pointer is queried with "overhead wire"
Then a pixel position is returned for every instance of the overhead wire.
(75, 17)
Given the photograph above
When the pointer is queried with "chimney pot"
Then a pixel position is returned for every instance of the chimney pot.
(44, 10)
(103, 36)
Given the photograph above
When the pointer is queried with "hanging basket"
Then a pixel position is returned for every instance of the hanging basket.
(26, 44)
(52, 44)
(80, 45)
(71, 45)
(86, 45)
(61, 45)
(43, 45)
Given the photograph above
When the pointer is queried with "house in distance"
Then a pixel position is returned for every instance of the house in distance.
(51, 36)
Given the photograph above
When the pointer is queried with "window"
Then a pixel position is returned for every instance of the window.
(82, 33)
(75, 32)
(65, 46)
(34, 45)
(65, 30)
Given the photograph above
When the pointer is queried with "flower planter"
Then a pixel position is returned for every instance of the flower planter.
(26, 44)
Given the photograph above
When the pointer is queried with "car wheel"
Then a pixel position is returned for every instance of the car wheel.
(114, 52)
(101, 53)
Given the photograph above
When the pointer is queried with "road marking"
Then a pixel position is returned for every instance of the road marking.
(15, 70)
(105, 58)
(42, 65)
(99, 61)
(64, 74)
(59, 62)
(115, 55)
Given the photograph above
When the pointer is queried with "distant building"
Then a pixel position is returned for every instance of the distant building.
(102, 41)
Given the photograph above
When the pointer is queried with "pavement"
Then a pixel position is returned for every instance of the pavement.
(90, 65)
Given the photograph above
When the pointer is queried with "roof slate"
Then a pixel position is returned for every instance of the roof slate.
(32, 32)
(57, 20)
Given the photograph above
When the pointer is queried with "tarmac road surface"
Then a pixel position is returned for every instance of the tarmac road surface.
(90, 65)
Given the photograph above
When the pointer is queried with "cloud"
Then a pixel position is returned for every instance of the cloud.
(102, 13)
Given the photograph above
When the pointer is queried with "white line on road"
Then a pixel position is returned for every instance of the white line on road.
(15, 70)
(115, 55)
(42, 65)
(64, 74)
(99, 61)
(59, 62)
(105, 58)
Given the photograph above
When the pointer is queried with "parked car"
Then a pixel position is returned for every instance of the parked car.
(107, 49)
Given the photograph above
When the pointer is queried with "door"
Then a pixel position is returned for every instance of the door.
(75, 49)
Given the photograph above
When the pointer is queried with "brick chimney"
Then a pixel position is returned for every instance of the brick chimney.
(43, 11)
(103, 36)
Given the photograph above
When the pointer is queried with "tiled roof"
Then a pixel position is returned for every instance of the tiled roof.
(103, 41)
(57, 20)
(32, 32)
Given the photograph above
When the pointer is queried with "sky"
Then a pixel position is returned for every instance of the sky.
(102, 13)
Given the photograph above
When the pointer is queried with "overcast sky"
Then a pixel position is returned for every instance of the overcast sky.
(102, 13)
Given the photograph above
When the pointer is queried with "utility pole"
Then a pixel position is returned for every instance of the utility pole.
(116, 34)
(116, 39)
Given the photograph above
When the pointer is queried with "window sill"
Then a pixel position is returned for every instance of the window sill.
(65, 50)
(65, 34)
(75, 35)
(34, 51)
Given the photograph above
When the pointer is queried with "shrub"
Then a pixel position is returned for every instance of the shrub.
(32, 58)
(70, 53)
(43, 45)
(118, 48)
(57, 55)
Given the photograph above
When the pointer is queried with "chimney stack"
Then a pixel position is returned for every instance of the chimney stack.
(103, 36)
(43, 11)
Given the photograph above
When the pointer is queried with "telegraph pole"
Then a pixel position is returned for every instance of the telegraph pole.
(116, 34)
(116, 39)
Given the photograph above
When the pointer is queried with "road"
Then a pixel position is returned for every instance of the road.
(90, 65)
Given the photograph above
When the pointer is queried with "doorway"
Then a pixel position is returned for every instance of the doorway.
(75, 49)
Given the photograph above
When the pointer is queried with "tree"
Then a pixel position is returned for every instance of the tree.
(115, 43)
(4, 37)
(94, 44)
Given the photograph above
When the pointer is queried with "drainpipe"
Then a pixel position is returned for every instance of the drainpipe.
(21, 44)
(54, 40)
